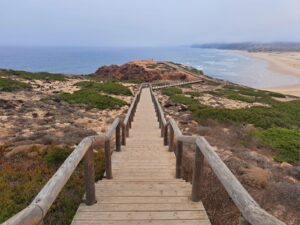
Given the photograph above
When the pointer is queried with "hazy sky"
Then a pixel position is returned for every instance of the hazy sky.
(146, 22)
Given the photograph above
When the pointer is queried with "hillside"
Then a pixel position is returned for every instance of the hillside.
(43, 116)
(255, 132)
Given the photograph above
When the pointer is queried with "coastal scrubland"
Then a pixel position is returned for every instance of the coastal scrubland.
(43, 117)
(255, 132)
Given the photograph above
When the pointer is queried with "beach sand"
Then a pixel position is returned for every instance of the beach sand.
(289, 90)
(282, 62)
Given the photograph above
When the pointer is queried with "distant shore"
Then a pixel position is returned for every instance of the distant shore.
(282, 62)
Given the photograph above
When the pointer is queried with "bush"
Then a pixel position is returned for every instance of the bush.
(20, 185)
(281, 123)
(106, 87)
(92, 99)
(194, 93)
(286, 142)
(280, 114)
(171, 91)
(12, 85)
(33, 76)
(57, 155)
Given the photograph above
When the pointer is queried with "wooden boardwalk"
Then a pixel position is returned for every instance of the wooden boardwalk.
(143, 189)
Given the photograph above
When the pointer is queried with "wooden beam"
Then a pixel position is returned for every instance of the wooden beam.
(108, 168)
(179, 149)
(171, 139)
(197, 175)
(89, 177)
(118, 138)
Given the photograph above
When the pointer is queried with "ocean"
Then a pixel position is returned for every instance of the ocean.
(221, 64)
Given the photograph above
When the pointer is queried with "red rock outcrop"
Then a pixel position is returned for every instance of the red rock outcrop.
(142, 70)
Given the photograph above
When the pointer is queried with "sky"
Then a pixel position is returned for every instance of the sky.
(146, 22)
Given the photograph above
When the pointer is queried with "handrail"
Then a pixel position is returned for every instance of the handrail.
(251, 212)
(38, 208)
(179, 83)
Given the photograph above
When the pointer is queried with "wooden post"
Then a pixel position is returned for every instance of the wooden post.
(159, 119)
(171, 139)
(123, 134)
(179, 148)
(127, 130)
(108, 160)
(89, 177)
(162, 129)
(166, 135)
(118, 138)
(129, 121)
(197, 175)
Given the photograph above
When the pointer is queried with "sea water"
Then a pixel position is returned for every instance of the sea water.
(221, 64)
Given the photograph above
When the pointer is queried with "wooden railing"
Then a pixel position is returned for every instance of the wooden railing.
(251, 212)
(37, 210)
(178, 83)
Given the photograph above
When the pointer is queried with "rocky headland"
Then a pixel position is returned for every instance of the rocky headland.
(147, 71)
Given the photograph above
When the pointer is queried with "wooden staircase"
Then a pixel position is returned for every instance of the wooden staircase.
(144, 189)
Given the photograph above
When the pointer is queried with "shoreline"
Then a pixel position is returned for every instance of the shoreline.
(285, 63)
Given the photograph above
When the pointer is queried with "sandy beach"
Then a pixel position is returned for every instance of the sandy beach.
(282, 62)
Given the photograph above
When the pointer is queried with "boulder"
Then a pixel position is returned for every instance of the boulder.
(24, 149)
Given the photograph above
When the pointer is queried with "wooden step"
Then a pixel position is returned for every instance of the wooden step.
(144, 222)
(138, 207)
(141, 193)
(150, 215)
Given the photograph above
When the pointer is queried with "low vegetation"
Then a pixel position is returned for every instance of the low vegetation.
(20, 182)
(33, 76)
(246, 94)
(105, 87)
(285, 141)
(278, 122)
(170, 91)
(92, 99)
(9, 85)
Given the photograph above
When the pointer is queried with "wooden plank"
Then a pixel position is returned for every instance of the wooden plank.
(168, 215)
(174, 199)
(150, 207)
(135, 187)
(145, 193)
(144, 222)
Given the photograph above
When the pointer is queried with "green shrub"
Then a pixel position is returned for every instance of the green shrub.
(171, 91)
(132, 81)
(33, 76)
(106, 87)
(90, 98)
(258, 95)
(194, 93)
(280, 114)
(57, 155)
(286, 142)
(9, 85)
